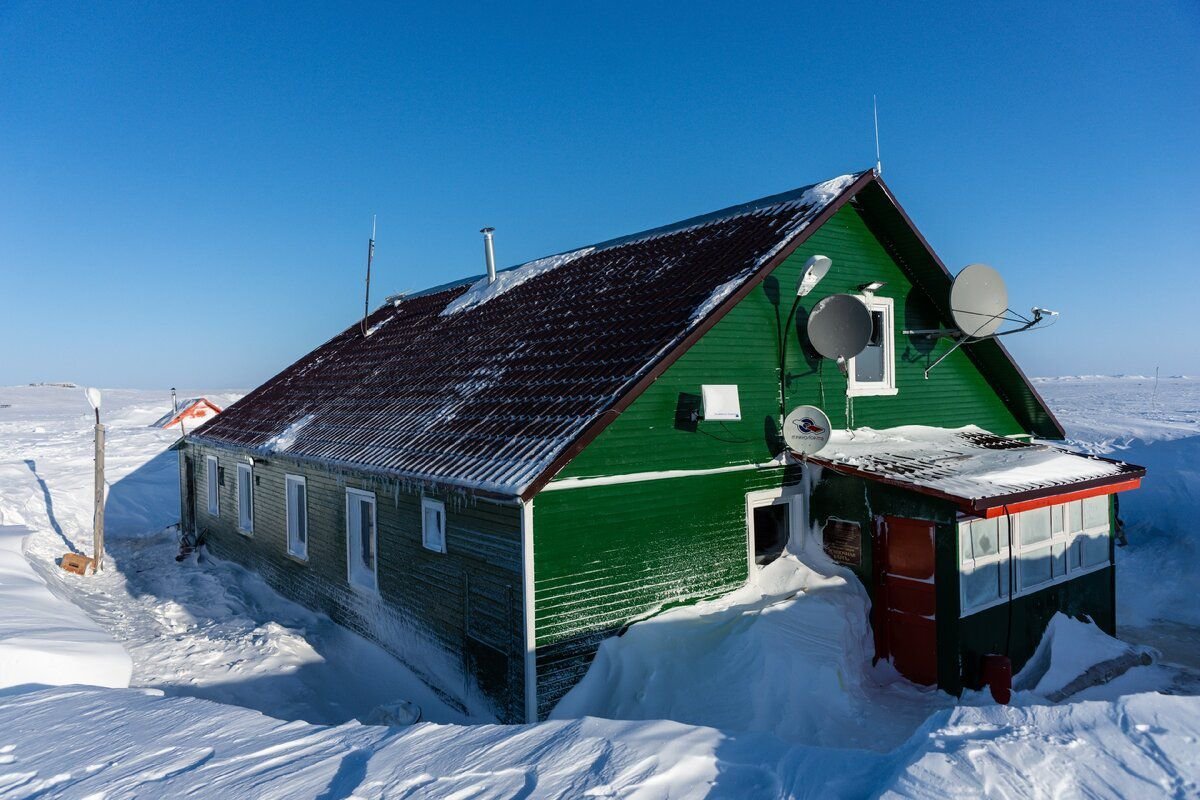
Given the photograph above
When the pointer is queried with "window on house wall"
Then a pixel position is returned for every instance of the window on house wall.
(245, 496)
(296, 491)
(361, 553)
(212, 487)
(1048, 545)
(983, 546)
(433, 524)
(873, 371)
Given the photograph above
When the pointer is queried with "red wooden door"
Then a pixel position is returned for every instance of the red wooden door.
(905, 603)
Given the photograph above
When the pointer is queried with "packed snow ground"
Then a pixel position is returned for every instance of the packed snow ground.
(212, 646)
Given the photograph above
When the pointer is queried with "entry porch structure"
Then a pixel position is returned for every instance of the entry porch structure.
(973, 541)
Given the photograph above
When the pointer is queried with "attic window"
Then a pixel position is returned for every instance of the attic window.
(721, 402)
(433, 525)
(873, 371)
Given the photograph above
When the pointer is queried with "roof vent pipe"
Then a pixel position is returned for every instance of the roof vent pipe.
(489, 254)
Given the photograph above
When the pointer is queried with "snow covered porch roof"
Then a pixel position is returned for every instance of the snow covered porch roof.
(980, 472)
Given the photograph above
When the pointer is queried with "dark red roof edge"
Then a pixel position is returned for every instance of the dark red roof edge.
(1062, 434)
(589, 434)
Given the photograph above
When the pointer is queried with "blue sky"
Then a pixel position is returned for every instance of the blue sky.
(186, 192)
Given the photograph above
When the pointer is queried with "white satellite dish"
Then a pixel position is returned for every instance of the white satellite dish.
(93, 397)
(978, 300)
(806, 430)
(839, 327)
(814, 269)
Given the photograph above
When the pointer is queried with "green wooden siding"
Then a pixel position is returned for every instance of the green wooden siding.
(466, 602)
(743, 348)
(608, 554)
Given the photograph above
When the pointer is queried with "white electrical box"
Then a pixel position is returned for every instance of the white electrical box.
(721, 402)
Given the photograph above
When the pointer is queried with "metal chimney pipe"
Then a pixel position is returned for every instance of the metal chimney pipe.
(489, 254)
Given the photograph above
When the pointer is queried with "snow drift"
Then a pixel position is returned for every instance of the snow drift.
(44, 639)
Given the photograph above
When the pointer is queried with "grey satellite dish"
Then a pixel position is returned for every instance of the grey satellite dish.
(814, 269)
(978, 300)
(839, 327)
(806, 430)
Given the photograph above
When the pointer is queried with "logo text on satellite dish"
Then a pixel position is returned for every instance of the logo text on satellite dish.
(806, 430)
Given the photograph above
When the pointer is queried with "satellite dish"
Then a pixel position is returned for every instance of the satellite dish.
(806, 430)
(978, 300)
(839, 326)
(93, 397)
(814, 269)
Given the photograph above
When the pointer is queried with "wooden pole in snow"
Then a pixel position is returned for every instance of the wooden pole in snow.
(98, 519)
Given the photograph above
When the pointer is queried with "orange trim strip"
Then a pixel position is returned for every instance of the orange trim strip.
(1056, 499)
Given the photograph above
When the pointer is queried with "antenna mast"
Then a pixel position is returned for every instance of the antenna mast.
(878, 162)
(370, 258)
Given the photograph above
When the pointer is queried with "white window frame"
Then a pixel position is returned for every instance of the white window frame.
(1001, 556)
(887, 386)
(437, 545)
(295, 547)
(353, 497)
(793, 497)
(1070, 539)
(245, 524)
(212, 488)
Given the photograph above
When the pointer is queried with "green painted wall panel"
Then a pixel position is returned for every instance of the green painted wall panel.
(608, 554)
(743, 348)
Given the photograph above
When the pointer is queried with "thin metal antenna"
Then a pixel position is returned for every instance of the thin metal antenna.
(878, 162)
(370, 258)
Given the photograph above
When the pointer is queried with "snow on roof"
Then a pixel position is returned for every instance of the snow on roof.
(571, 334)
(965, 463)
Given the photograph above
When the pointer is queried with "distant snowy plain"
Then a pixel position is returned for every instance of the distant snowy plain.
(240, 693)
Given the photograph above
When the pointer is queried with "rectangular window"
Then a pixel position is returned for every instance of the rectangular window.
(983, 549)
(873, 371)
(297, 515)
(361, 551)
(212, 487)
(245, 496)
(1049, 545)
(433, 524)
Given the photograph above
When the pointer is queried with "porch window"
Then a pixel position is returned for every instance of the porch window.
(985, 566)
(297, 515)
(433, 524)
(1045, 546)
(361, 540)
(245, 496)
(873, 371)
(212, 486)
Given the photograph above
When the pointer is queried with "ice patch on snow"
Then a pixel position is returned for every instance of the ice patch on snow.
(482, 291)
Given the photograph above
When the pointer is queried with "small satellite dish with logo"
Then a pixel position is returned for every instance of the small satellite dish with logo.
(806, 430)
(978, 300)
(839, 327)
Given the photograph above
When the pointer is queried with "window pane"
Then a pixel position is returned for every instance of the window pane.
(1059, 551)
(1035, 568)
(964, 541)
(1075, 516)
(366, 534)
(868, 365)
(985, 537)
(1093, 549)
(1095, 512)
(1035, 526)
(981, 585)
(1056, 519)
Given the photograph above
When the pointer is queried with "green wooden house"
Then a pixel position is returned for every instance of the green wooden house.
(490, 477)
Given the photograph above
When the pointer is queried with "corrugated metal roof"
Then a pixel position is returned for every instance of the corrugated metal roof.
(490, 395)
(968, 464)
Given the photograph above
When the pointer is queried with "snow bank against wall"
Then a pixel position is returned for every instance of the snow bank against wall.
(44, 639)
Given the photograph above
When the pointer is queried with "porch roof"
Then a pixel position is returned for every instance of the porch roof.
(978, 471)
